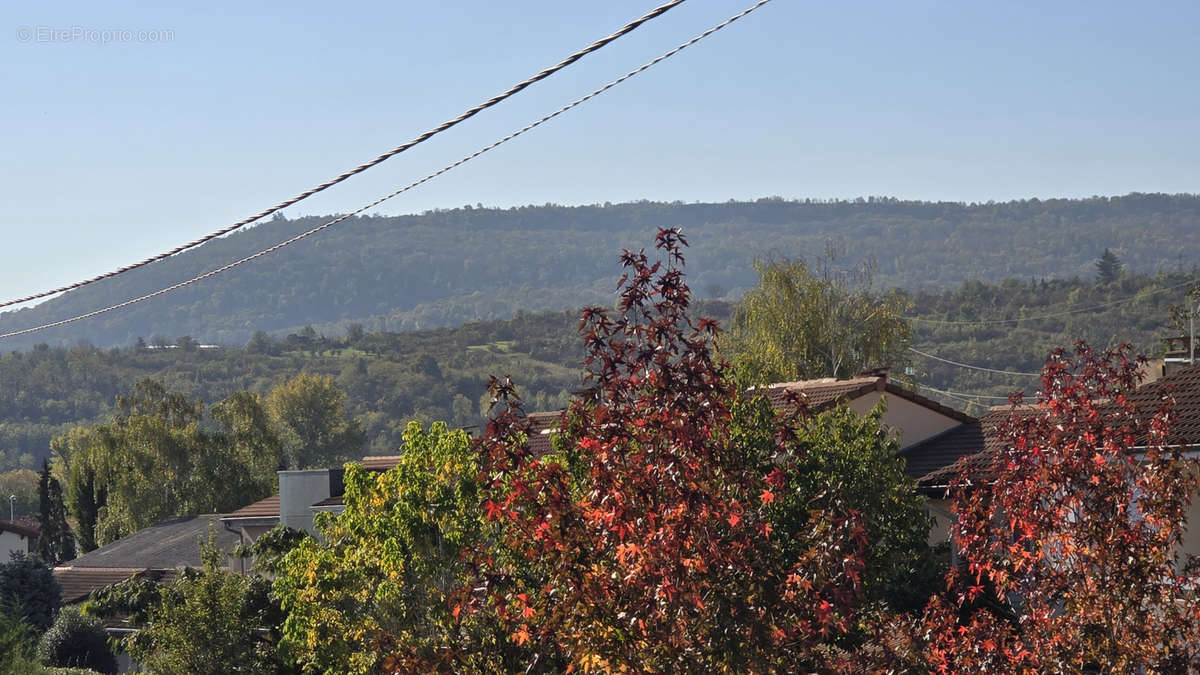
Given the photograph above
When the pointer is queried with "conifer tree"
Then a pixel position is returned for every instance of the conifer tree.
(55, 542)
(1108, 267)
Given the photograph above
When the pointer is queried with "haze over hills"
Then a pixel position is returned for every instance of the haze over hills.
(450, 266)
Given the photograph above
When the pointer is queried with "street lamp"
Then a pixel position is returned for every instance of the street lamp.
(12, 507)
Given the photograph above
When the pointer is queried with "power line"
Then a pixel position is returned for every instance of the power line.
(598, 44)
(987, 322)
(961, 395)
(335, 221)
(967, 365)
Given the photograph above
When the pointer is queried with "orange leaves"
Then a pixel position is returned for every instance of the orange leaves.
(492, 510)
(1080, 534)
(649, 545)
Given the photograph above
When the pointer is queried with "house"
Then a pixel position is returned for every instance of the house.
(157, 553)
(17, 537)
(936, 462)
(912, 417)
(301, 495)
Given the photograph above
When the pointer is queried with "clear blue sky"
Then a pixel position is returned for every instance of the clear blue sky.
(114, 151)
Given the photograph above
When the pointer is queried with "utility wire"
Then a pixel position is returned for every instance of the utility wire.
(967, 365)
(961, 395)
(335, 221)
(986, 322)
(598, 44)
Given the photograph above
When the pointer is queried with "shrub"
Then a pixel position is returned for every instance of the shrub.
(30, 584)
(16, 638)
(77, 641)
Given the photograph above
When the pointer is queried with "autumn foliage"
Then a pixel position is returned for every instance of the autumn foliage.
(679, 524)
(645, 542)
(1068, 536)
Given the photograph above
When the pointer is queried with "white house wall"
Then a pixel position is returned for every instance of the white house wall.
(912, 423)
(11, 541)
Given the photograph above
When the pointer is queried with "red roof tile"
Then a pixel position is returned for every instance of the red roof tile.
(380, 462)
(264, 508)
(24, 529)
(79, 582)
(827, 392)
(973, 451)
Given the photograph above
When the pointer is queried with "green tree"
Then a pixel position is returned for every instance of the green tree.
(18, 640)
(798, 325)
(31, 586)
(55, 542)
(208, 622)
(378, 581)
(77, 641)
(1108, 267)
(85, 497)
(23, 484)
(310, 413)
(851, 458)
(160, 456)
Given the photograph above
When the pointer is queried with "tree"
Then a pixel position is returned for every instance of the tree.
(85, 497)
(161, 456)
(310, 413)
(1068, 535)
(18, 640)
(798, 324)
(22, 483)
(31, 586)
(208, 623)
(645, 541)
(77, 641)
(56, 544)
(853, 456)
(1108, 267)
(372, 592)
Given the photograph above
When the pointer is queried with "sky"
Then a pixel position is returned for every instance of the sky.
(128, 127)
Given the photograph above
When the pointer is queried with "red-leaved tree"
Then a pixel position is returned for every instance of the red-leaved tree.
(1069, 535)
(644, 541)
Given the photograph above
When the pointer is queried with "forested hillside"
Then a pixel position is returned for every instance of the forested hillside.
(440, 374)
(446, 267)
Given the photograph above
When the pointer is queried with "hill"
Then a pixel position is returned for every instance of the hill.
(440, 374)
(447, 267)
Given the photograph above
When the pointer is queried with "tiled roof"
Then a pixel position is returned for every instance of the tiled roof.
(263, 508)
(827, 392)
(943, 450)
(1184, 386)
(541, 427)
(329, 501)
(823, 392)
(975, 449)
(79, 582)
(380, 462)
(24, 529)
(166, 545)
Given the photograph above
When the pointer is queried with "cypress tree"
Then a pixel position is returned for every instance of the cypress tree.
(55, 542)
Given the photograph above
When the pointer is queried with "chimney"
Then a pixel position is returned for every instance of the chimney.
(299, 490)
(875, 372)
(1179, 354)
